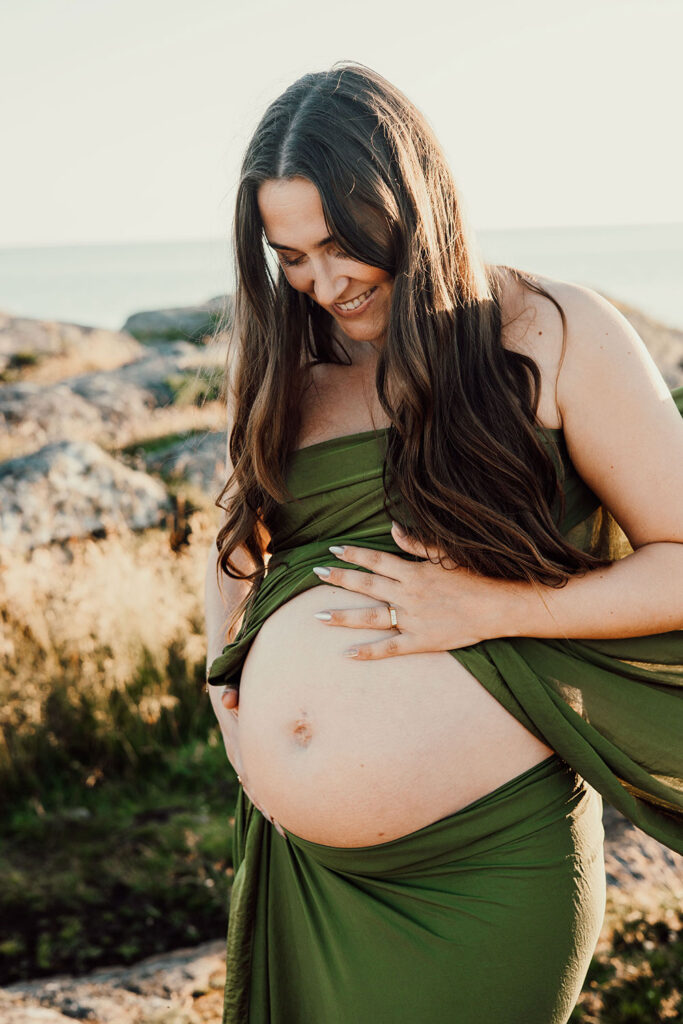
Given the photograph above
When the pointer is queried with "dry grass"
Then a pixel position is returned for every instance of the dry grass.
(79, 621)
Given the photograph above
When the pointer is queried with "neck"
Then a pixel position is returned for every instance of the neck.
(363, 354)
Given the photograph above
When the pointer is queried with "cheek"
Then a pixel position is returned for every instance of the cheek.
(295, 281)
(387, 288)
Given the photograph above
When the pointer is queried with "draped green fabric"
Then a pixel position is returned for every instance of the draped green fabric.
(612, 709)
(488, 916)
(492, 913)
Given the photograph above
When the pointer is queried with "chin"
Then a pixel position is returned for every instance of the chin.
(367, 330)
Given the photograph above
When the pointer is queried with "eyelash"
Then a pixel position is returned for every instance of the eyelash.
(295, 263)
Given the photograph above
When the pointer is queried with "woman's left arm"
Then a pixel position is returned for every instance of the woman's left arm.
(624, 435)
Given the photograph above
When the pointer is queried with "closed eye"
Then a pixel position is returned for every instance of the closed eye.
(295, 263)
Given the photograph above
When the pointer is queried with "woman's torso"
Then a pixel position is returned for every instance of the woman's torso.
(351, 753)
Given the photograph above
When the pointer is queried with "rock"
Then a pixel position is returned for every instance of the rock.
(634, 861)
(25, 342)
(198, 459)
(36, 414)
(105, 404)
(16, 1012)
(142, 384)
(172, 988)
(191, 323)
(74, 489)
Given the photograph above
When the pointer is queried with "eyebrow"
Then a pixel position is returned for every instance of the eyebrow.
(290, 248)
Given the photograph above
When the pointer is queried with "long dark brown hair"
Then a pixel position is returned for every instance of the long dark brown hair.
(463, 451)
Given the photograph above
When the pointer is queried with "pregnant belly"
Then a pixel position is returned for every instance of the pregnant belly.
(355, 753)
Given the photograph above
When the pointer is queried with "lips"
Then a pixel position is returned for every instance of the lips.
(364, 296)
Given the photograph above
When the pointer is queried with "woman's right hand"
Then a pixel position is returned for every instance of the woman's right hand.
(230, 697)
(228, 720)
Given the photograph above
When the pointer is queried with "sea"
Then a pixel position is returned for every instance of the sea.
(102, 285)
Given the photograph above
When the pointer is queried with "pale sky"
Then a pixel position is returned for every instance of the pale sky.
(126, 120)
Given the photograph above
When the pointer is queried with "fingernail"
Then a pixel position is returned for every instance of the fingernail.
(399, 529)
(325, 616)
(351, 653)
(320, 571)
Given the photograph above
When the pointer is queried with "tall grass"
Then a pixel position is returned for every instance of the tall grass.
(102, 656)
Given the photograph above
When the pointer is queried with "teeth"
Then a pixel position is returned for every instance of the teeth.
(358, 301)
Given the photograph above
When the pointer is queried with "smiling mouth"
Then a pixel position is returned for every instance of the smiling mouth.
(346, 307)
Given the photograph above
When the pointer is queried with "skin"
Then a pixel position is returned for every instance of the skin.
(623, 435)
(293, 216)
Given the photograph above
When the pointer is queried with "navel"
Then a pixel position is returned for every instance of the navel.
(302, 730)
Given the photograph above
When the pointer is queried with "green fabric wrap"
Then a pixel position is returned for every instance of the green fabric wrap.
(612, 709)
(487, 916)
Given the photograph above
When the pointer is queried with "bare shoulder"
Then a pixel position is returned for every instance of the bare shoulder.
(603, 344)
(532, 326)
(623, 430)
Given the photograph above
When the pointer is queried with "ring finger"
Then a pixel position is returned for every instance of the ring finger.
(377, 616)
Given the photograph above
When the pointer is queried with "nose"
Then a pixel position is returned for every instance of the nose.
(328, 284)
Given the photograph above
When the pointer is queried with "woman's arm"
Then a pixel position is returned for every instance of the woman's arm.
(217, 613)
(635, 596)
(217, 609)
(624, 435)
(219, 603)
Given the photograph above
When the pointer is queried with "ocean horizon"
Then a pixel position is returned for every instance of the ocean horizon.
(102, 285)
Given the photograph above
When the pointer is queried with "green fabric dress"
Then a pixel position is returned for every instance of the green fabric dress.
(493, 912)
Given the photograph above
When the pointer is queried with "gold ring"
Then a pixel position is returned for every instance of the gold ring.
(392, 614)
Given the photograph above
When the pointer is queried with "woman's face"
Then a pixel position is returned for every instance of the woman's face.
(358, 296)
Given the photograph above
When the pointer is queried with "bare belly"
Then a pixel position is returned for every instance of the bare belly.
(355, 753)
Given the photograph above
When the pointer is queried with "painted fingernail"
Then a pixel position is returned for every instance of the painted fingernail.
(325, 616)
(351, 653)
(399, 529)
(320, 571)
(337, 549)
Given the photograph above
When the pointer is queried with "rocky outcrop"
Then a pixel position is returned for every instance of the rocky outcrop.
(184, 987)
(74, 489)
(27, 343)
(636, 864)
(198, 459)
(102, 404)
(56, 483)
(192, 323)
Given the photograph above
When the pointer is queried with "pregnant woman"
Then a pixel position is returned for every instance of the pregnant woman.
(425, 714)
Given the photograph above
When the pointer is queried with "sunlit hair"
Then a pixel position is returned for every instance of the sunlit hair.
(463, 453)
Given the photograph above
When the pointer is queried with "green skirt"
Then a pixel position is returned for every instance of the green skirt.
(487, 916)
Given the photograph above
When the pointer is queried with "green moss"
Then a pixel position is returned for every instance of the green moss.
(17, 362)
(25, 358)
(154, 445)
(195, 387)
